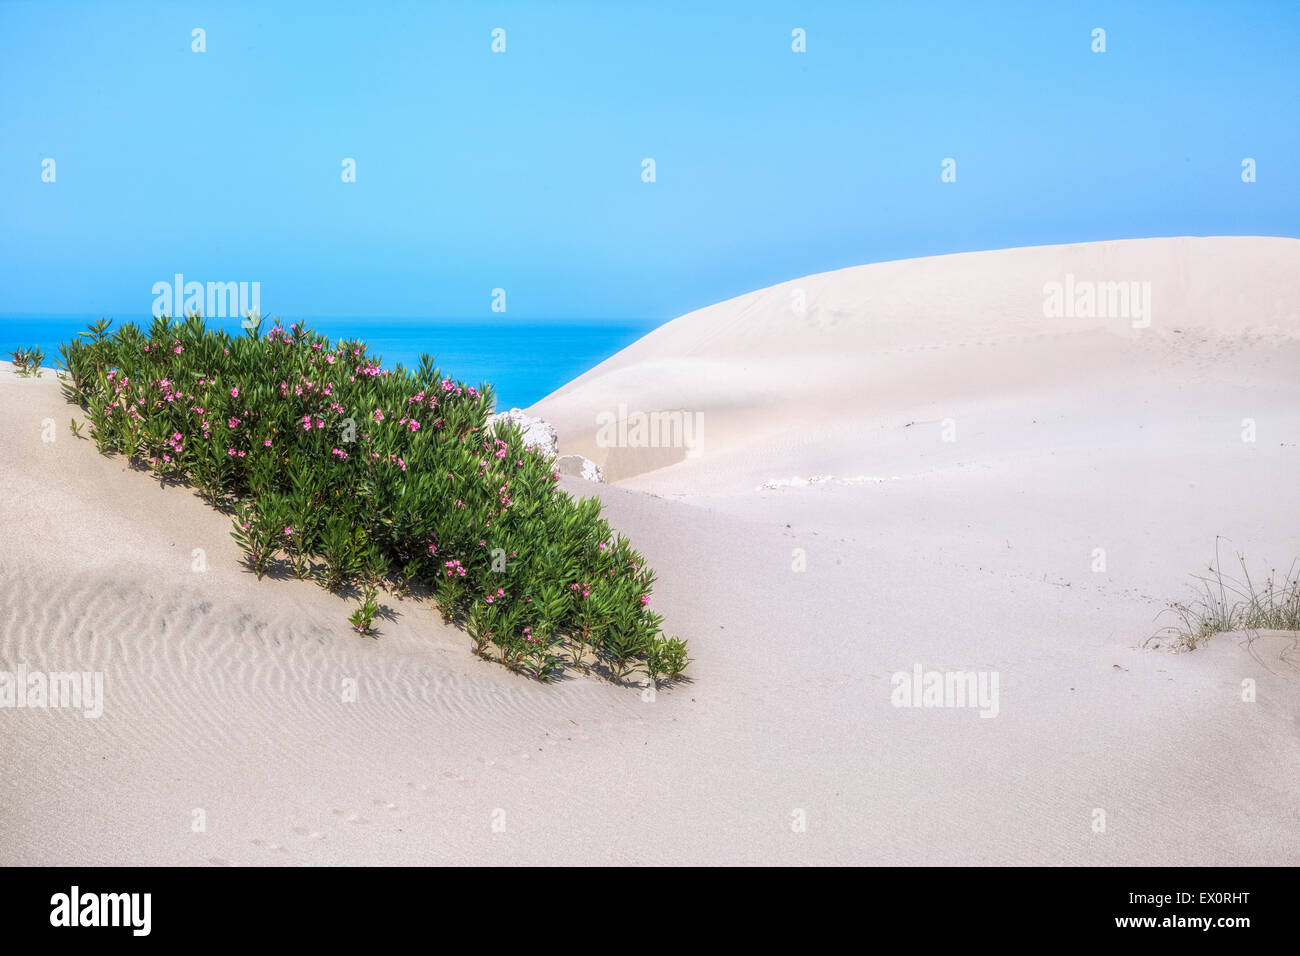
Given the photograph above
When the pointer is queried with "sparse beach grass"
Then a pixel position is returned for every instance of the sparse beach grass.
(362, 477)
(1227, 603)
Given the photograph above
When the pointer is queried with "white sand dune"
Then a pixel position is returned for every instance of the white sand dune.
(225, 694)
(833, 388)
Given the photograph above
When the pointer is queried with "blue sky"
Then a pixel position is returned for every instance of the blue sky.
(522, 170)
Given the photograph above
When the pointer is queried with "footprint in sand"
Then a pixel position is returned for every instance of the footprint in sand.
(309, 833)
(422, 787)
(218, 861)
(386, 804)
(273, 847)
(351, 816)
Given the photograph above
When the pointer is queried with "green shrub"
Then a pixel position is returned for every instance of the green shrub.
(338, 469)
(27, 362)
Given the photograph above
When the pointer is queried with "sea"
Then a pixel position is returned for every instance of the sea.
(523, 360)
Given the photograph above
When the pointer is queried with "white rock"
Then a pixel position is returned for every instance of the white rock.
(541, 436)
(579, 467)
(537, 434)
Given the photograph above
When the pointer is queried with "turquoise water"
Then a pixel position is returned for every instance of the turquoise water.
(523, 360)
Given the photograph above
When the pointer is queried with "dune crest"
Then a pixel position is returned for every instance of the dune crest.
(800, 376)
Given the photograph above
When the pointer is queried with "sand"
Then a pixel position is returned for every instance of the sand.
(225, 695)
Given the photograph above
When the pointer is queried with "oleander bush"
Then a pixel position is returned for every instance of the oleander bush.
(27, 362)
(363, 477)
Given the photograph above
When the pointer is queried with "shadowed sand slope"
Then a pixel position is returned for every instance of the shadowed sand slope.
(801, 603)
(824, 373)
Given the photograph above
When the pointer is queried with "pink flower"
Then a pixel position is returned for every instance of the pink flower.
(234, 392)
(288, 530)
(179, 349)
(267, 443)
